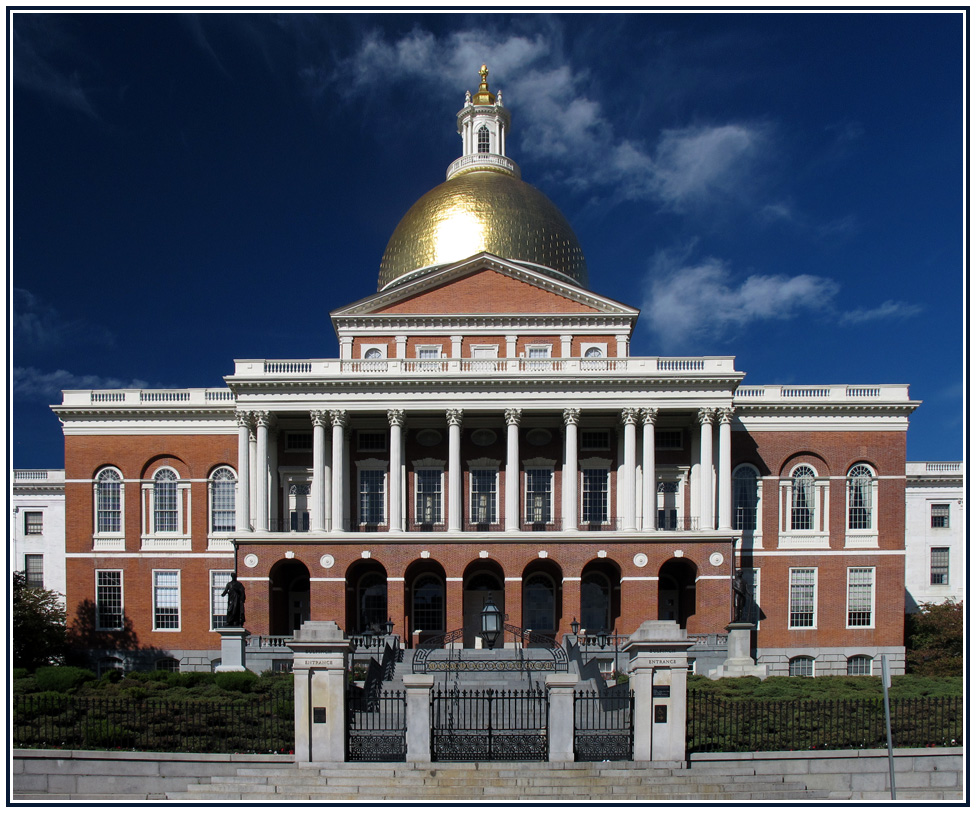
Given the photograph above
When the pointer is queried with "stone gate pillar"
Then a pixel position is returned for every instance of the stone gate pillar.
(561, 716)
(320, 649)
(658, 669)
(418, 716)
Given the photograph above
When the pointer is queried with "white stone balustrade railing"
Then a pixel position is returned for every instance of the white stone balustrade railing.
(38, 475)
(483, 160)
(934, 467)
(836, 393)
(136, 397)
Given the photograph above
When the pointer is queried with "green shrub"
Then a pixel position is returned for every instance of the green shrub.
(191, 679)
(19, 673)
(62, 678)
(235, 681)
(103, 734)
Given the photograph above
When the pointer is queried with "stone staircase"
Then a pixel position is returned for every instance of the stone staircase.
(479, 678)
(496, 781)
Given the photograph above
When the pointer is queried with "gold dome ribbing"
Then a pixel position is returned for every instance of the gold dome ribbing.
(483, 211)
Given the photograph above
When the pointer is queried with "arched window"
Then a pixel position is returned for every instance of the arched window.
(108, 502)
(593, 353)
(595, 602)
(860, 488)
(859, 665)
(167, 665)
(372, 353)
(428, 603)
(801, 666)
(484, 140)
(745, 498)
(165, 502)
(539, 603)
(803, 505)
(223, 494)
(371, 600)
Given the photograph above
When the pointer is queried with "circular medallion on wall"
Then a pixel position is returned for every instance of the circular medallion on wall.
(327, 561)
(251, 560)
(716, 559)
(428, 437)
(538, 437)
(483, 437)
(640, 559)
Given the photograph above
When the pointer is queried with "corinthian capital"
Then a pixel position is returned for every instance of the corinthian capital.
(706, 415)
(244, 418)
(649, 415)
(629, 416)
(454, 417)
(725, 414)
(571, 415)
(513, 416)
(263, 418)
(395, 417)
(320, 417)
(340, 417)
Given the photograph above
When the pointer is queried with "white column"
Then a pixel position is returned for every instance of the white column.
(725, 468)
(571, 469)
(243, 471)
(395, 417)
(629, 417)
(706, 510)
(262, 421)
(513, 417)
(252, 457)
(274, 486)
(319, 420)
(454, 417)
(649, 495)
(339, 420)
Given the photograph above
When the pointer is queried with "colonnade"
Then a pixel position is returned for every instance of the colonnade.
(257, 449)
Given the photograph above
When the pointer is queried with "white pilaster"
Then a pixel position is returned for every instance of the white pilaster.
(629, 416)
(243, 471)
(454, 417)
(319, 487)
(395, 417)
(725, 468)
(623, 345)
(513, 417)
(511, 343)
(706, 510)
(456, 346)
(262, 420)
(401, 347)
(566, 346)
(649, 495)
(571, 418)
(339, 420)
(345, 347)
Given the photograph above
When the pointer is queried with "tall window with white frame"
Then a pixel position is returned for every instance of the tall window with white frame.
(108, 600)
(745, 498)
(940, 515)
(803, 598)
(595, 496)
(939, 566)
(538, 496)
(372, 487)
(165, 502)
(484, 496)
(108, 502)
(428, 494)
(218, 602)
(33, 523)
(223, 491)
(802, 506)
(166, 599)
(34, 570)
(860, 597)
(860, 487)
(484, 139)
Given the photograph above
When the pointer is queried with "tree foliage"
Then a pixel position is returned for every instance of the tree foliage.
(934, 639)
(38, 625)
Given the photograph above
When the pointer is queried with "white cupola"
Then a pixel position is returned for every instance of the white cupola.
(483, 123)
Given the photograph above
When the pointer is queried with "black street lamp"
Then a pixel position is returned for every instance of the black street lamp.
(491, 622)
(388, 626)
(575, 626)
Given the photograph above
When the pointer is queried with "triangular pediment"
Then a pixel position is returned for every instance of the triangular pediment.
(484, 284)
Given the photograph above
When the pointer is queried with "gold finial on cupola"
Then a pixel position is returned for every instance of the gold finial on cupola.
(483, 96)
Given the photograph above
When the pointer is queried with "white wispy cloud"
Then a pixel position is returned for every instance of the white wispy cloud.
(31, 384)
(34, 40)
(38, 326)
(886, 310)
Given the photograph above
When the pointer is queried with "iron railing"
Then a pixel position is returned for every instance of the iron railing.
(489, 724)
(603, 723)
(377, 728)
(248, 726)
(718, 724)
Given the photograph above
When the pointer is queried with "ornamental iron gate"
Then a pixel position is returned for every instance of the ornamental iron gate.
(489, 724)
(377, 727)
(603, 725)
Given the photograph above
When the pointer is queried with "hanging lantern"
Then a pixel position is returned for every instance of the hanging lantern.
(491, 622)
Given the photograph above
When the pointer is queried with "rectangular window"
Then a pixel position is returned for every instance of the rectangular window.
(803, 597)
(594, 440)
(166, 599)
(540, 351)
(298, 441)
(484, 496)
(595, 502)
(33, 523)
(108, 599)
(428, 489)
(940, 516)
(860, 597)
(34, 569)
(429, 351)
(538, 496)
(669, 439)
(939, 566)
(218, 603)
(371, 441)
(371, 496)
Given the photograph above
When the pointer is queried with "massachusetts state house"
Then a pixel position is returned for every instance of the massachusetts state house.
(486, 430)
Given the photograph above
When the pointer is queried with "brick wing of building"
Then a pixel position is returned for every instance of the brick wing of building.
(486, 430)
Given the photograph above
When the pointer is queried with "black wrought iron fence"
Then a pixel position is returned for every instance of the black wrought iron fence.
(255, 725)
(718, 724)
(489, 724)
(603, 724)
(377, 729)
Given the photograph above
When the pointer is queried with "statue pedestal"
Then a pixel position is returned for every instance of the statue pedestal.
(739, 663)
(232, 642)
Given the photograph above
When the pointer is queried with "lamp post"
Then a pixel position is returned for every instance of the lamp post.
(575, 626)
(491, 622)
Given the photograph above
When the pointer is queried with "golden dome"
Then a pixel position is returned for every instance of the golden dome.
(484, 210)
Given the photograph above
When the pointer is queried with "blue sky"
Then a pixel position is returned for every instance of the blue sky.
(188, 188)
